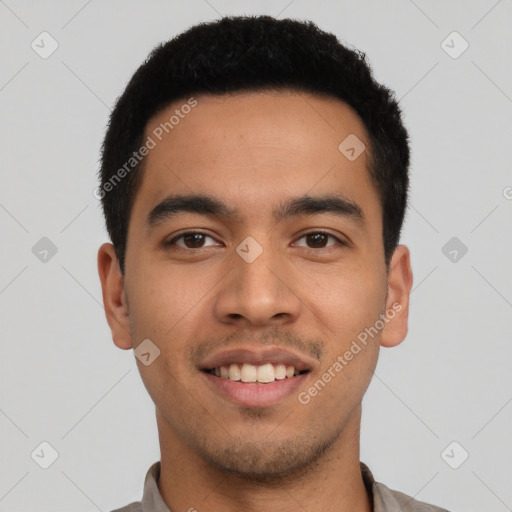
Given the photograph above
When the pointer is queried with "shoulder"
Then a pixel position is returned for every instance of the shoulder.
(388, 500)
(391, 500)
(132, 507)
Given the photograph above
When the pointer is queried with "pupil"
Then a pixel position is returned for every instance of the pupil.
(315, 236)
(196, 236)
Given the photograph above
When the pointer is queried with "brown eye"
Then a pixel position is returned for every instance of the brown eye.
(194, 240)
(319, 239)
(191, 240)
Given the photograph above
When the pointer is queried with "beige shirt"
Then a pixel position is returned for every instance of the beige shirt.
(383, 498)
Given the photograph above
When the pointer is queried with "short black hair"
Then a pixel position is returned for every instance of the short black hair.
(252, 53)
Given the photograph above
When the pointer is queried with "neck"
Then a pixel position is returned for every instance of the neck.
(188, 483)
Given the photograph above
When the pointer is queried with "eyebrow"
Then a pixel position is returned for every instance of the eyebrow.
(336, 204)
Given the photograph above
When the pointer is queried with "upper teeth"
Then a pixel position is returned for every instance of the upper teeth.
(264, 373)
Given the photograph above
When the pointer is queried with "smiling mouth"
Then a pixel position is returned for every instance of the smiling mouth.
(255, 374)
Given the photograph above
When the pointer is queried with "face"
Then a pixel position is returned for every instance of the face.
(257, 281)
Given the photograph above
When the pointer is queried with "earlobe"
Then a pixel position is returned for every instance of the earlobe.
(114, 296)
(397, 304)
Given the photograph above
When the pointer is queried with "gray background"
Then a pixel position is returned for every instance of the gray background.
(64, 381)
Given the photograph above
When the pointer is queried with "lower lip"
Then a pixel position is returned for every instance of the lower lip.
(254, 394)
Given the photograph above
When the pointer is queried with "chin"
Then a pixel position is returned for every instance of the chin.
(267, 462)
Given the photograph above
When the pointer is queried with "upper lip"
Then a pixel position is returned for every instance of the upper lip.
(274, 355)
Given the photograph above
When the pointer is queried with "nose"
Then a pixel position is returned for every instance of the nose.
(259, 292)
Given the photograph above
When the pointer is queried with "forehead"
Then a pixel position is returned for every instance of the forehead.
(253, 149)
(255, 122)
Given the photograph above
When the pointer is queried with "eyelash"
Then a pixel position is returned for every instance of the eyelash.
(171, 242)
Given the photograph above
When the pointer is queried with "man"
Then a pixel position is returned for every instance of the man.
(254, 182)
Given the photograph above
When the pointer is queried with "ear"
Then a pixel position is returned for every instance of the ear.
(397, 301)
(114, 297)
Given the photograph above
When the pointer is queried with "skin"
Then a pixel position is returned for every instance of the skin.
(253, 151)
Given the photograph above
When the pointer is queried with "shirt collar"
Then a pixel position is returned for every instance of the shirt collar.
(151, 499)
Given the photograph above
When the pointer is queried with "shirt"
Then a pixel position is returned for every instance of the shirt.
(382, 498)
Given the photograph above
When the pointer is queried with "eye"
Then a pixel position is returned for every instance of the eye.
(318, 238)
(191, 239)
(195, 240)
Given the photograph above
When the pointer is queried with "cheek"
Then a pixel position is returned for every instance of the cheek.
(166, 299)
(347, 301)
(353, 349)
(163, 310)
